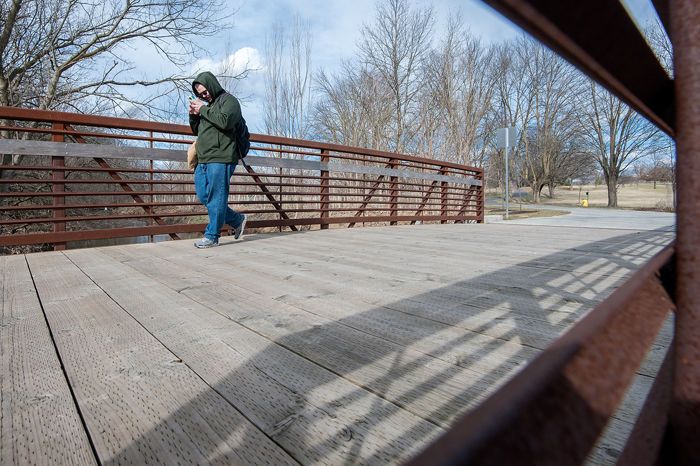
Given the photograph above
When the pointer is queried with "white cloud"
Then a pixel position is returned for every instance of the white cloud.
(246, 58)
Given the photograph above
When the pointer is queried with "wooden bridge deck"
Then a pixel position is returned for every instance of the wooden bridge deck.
(341, 346)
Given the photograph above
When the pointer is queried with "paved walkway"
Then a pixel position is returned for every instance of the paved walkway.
(621, 219)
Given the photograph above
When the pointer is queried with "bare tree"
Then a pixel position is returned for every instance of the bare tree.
(660, 44)
(394, 46)
(458, 94)
(75, 55)
(274, 46)
(353, 108)
(69, 54)
(662, 47)
(288, 80)
(536, 92)
(617, 136)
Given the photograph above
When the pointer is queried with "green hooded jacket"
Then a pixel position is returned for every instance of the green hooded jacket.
(215, 124)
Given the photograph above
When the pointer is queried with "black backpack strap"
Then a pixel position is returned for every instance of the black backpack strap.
(222, 97)
(220, 102)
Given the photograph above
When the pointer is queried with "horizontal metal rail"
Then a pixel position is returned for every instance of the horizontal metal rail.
(114, 181)
(553, 411)
(616, 55)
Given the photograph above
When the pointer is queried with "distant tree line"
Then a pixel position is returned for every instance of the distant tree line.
(408, 90)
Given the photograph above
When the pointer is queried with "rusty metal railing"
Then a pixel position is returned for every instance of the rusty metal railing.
(554, 410)
(87, 178)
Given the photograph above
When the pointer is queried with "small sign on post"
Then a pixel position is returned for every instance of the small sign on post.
(506, 137)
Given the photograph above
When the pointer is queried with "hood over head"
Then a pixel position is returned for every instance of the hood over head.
(209, 81)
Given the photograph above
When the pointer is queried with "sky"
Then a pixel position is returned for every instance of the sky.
(335, 27)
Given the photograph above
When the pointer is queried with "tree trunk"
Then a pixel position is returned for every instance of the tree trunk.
(536, 192)
(612, 191)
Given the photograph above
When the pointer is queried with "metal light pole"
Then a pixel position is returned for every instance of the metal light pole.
(505, 137)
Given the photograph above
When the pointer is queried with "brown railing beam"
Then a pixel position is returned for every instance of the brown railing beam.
(685, 413)
(366, 200)
(645, 443)
(57, 187)
(471, 195)
(125, 187)
(324, 183)
(553, 410)
(128, 189)
(443, 197)
(268, 194)
(393, 193)
(368, 197)
(616, 55)
(425, 199)
(333, 181)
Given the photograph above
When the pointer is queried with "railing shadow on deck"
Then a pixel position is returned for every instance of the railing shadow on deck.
(622, 254)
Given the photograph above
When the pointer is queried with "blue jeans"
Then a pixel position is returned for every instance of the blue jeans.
(212, 180)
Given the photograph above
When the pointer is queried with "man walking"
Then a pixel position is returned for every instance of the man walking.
(214, 125)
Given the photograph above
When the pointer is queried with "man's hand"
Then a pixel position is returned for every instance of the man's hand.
(195, 105)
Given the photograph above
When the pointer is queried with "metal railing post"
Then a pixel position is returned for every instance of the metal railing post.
(324, 203)
(394, 194)
(150, 187)
(478, 202)
(58, 200)
(685, 410)
(443, 198)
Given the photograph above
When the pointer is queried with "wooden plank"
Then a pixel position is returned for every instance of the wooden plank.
(614, 439)
(285, 282)
(530, 306)
(344, 168)
(139, 401)
(375, 311)
(298, 332)
(432, 388)
(560, 403)
(493, 246)
(314, 414)
(40, 423)
(506, 304)
(475, 256)
(493, 358)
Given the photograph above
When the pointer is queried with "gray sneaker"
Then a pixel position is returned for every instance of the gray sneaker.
(205, 243)
(238, 231)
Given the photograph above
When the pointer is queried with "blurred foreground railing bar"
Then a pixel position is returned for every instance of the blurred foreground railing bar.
(555, 409)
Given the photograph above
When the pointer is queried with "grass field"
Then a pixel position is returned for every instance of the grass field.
(630, 196)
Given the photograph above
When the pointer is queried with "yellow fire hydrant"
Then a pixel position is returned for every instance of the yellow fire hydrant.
(584, 203)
